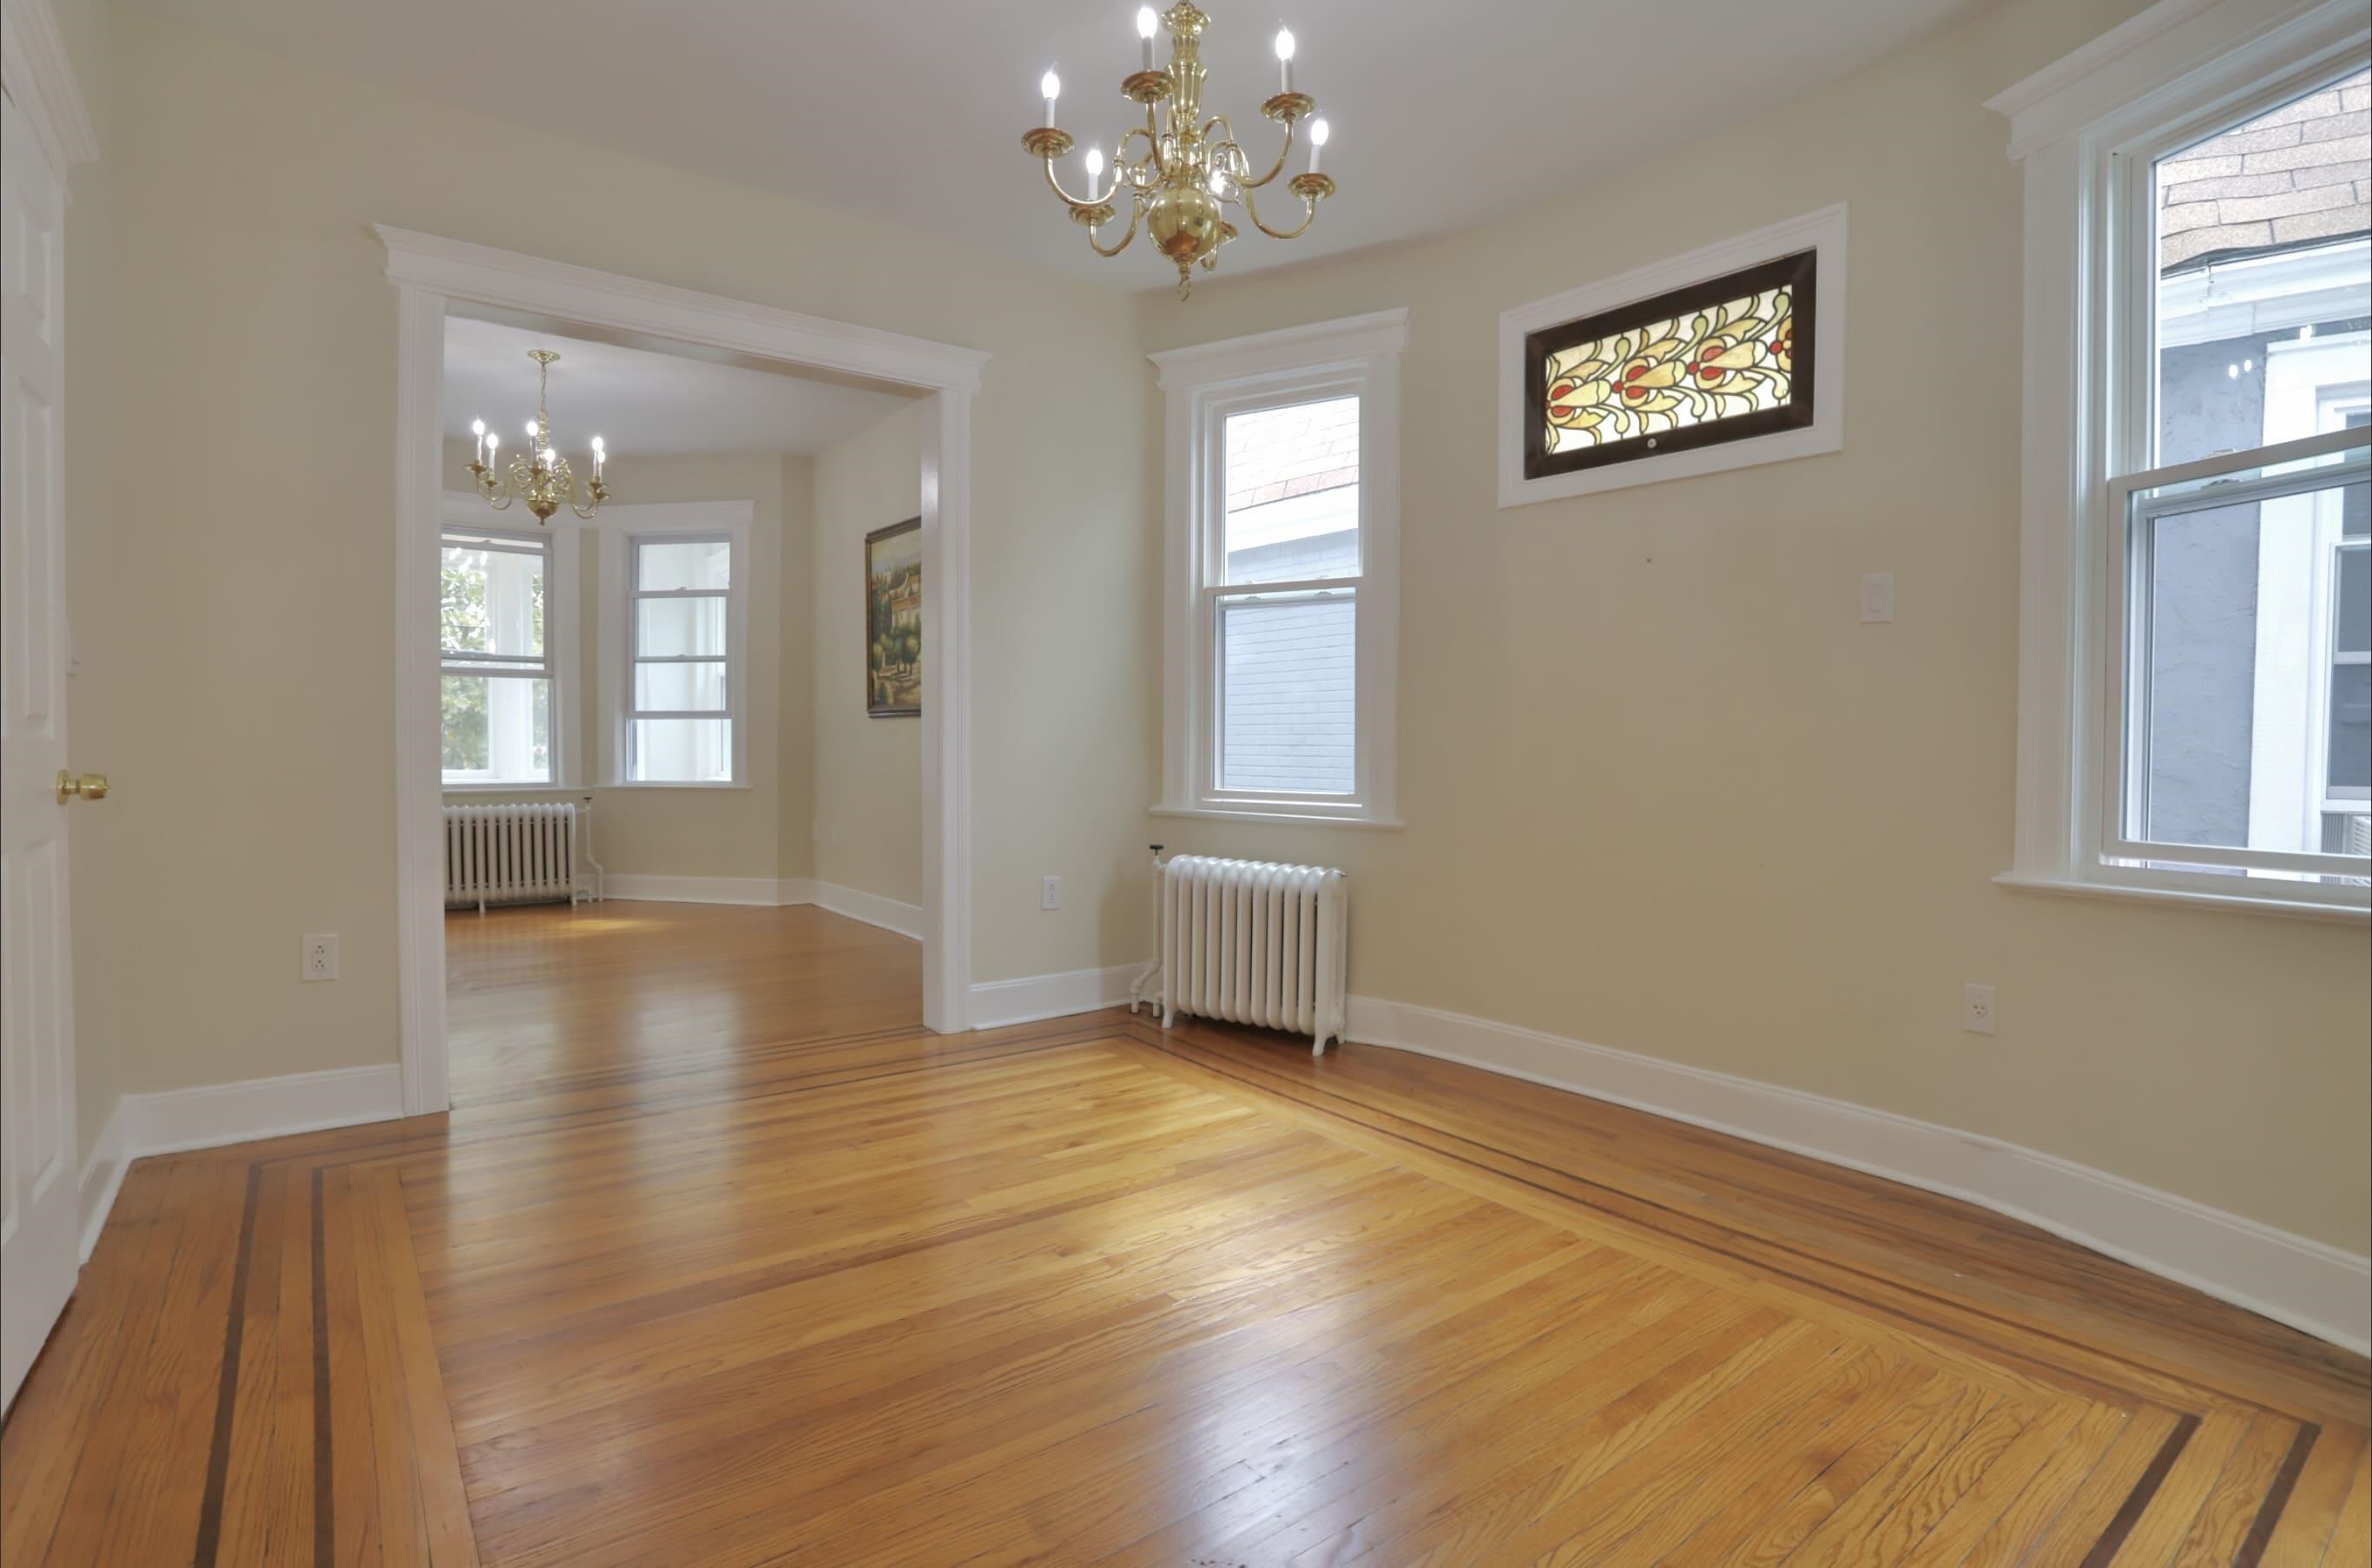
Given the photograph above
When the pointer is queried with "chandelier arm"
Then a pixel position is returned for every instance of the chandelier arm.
(1275, 168)
(1056, 186)
(1308, 215)
(504, 504)
(1127, 235)
(1151, 145)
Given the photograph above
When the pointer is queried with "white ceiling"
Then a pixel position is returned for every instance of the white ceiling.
(911, 111)
(640, 401)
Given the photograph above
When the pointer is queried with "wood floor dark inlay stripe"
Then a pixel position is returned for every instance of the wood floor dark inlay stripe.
(210, 1511)
(325, 1499)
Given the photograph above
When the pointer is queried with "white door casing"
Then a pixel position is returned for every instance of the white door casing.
(38, 1255)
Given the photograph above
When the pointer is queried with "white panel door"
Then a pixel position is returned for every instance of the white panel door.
(38, 1185)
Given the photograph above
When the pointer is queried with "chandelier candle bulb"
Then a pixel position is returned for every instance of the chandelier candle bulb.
(1284, 59)
(1050, 86)
(1094, 171)
(1318, 132)
(1148, 24)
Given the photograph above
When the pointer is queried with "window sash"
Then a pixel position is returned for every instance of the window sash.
(1211, 587)
(2129, 280)
(467, 664)
(729, 714)
(1306, 590)
(462, 661)
(2125, 676)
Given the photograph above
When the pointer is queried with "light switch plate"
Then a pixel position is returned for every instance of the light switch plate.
(1877, 597)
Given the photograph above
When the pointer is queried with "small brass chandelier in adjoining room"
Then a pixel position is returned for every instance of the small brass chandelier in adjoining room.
(538, 476)
(1185, 176)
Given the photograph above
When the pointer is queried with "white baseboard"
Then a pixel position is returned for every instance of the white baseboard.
(906, 919)
(1000, 1002)
(2304, 1283)
(102, 1177)
(767, 891)
(176, 1120)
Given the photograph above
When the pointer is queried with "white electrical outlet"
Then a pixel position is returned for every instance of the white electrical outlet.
(1049, 893)
(1877, 597)
(1977, 1009)
(319, 957)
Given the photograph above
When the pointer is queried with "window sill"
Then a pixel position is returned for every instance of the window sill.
(2289, 909)
(685, 784)
(512, 789)
(1298, 819)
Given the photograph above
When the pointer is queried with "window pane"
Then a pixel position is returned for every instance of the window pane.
(1288, 697)
(673, 628)
(684, 563)
(2355, 516)
(2237, 612)
(1292, 492)
(497, 729)
(492, 598)
(2355, 588)
(2264, 275)
(1704, 364)
(2351, 727)
(683, 750)
(680, 688)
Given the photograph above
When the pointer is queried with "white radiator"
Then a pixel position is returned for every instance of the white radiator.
(519, 852)
(1249, 942)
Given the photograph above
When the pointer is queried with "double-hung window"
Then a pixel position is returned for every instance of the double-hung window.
(1282, 578)
(681, 613)
(2194, 710)
(500, 691)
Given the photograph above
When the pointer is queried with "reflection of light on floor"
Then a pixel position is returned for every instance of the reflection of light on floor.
(597, 924)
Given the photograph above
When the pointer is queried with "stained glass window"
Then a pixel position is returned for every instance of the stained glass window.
(1713, 362)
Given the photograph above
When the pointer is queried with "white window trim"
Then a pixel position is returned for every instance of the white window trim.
(1201, 385)
(468, 511)
(1823, 231)
(2175, 72)
(618, 527)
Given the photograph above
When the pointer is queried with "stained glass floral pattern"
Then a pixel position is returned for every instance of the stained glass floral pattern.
(1721, 361)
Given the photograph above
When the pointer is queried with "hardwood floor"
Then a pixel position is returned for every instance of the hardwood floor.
(721, 1259)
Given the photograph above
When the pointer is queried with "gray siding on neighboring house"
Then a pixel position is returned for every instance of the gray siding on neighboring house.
(1290, 671)
(2203, 655)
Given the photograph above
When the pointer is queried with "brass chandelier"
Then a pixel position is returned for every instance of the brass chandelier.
(538, 476)
(1186, 174)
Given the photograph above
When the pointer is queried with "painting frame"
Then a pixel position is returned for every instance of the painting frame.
(1799, 273)
(894, 610)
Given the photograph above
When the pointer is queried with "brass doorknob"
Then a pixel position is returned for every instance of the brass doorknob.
(90, 786)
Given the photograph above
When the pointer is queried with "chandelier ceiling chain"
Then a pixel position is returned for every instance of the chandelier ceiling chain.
(1184, 175)
(539, 476)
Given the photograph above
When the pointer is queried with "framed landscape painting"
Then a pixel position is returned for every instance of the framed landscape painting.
(893, 620)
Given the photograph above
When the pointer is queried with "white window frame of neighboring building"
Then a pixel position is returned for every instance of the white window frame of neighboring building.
(620, 528)
(2088, 131)
(464, 512)
(1358, 356)
(2291, 738)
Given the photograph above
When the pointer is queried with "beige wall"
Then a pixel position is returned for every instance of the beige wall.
(868, 771)
(233, 559)
(742, 832)
(1665, 794)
